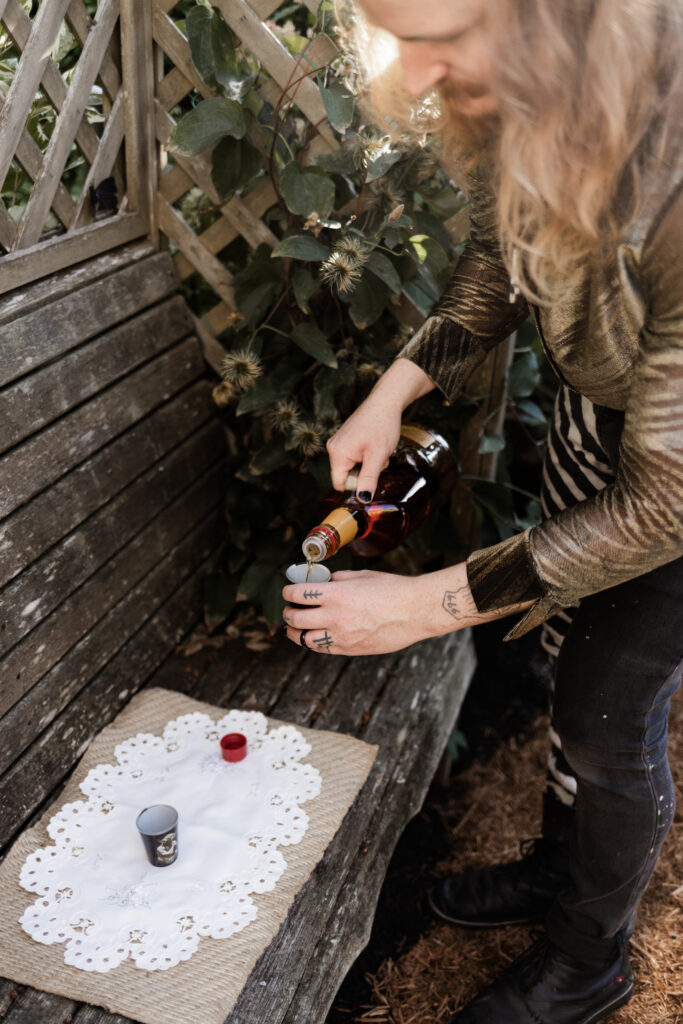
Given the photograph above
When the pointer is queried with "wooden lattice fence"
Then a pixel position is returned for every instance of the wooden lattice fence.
(112, 64)
(198, 251)
(135, 55)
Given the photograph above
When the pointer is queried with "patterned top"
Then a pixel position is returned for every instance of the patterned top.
(618, 340)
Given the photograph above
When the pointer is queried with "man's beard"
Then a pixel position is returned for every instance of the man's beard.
(476, 131)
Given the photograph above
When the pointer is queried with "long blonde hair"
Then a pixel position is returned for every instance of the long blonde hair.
(589, 99)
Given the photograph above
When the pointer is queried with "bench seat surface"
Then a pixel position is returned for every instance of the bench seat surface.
(407, 704)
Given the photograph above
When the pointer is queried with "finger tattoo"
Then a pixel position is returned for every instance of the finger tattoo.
(324, 642)
(310, 595)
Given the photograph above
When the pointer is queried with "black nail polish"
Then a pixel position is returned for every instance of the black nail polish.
(364, 495)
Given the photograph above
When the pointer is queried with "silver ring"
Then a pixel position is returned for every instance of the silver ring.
(302, 639)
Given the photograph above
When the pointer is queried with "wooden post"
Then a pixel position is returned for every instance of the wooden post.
(137, 57)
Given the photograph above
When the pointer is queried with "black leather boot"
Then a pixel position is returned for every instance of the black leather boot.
(520, 892)
(545, 986)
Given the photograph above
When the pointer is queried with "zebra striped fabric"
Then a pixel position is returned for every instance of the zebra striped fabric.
(576, 466)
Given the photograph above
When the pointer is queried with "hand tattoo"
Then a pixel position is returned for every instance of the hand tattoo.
(324, 642)
(312, 594)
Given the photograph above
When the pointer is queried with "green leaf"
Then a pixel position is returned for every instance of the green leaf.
(234, 163)
(339, 105)
(211, 43)
(271, 598)
(530, 413)
(263, 394)
(253, 579)
(307, 191)
(342, 161)
(210, 121)
(379, 167)
(368, 301)
(256, 303)
(302, 247)
(220, 592)
(326, 385)
(491, 443)
(523, 376)
(268, 390)
(382, 267)
(431, 260)
(272, 456)
(312, 341)
(304, 285)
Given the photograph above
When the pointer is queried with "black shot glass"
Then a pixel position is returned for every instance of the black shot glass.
(158, 828)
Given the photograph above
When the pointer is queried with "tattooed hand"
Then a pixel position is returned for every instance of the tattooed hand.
(374, 612)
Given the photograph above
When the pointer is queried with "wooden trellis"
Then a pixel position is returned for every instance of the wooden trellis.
(197, 252)
(136, 53)
(110, 58)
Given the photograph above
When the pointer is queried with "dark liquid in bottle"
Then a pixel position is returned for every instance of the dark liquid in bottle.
(417, 479)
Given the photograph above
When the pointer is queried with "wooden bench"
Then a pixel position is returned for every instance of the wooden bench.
(407, 703)
(112, 481)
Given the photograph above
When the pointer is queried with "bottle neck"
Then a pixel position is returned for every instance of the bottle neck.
(337, 528)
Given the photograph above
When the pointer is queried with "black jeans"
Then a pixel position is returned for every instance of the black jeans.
(617, 669)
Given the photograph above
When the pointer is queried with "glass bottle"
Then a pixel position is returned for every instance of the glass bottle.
(420, 476)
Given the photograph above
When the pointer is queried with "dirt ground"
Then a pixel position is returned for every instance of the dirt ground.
(428, 970)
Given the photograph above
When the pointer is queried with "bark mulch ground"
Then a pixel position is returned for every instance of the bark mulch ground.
(417, 971)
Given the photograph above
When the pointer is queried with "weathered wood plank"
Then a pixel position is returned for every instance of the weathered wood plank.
(25, 82)
(137, 53)
(420, 672)
(20, 27)
(43, 396)
(238, 218)
(50, 289)
(309, 691)
(66, 128)
(218, 276)
(350, 921)
(42, 459)
(39, 336)
(94, 1015)
(175, 45)
(20, 268)
(104, 163)
(80, 22)
(212, 349)
(88, 630)
(30, 156)
(43, 521)
(30, 598)
(34, 777)
(259, 690)
(31, 1006)
(9, 990)
(255, 35)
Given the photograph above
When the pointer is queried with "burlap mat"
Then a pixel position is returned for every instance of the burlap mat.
(205, 987)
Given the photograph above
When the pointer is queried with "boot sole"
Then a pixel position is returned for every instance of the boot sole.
(481, 924)
(621, 1000)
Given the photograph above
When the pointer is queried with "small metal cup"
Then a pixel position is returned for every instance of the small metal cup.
(158, 828)
(319, 573)
(297, 574)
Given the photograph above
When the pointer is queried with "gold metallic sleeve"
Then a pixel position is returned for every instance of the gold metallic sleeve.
(475, 313)
(635, 524)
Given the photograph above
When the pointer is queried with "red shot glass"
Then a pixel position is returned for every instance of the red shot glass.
(233, 746)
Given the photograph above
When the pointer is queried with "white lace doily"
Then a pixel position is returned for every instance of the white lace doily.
(98, 893)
